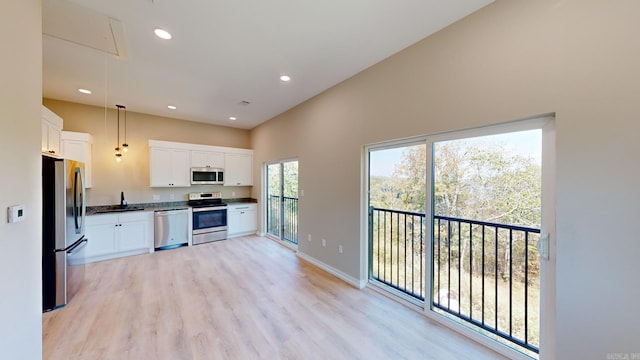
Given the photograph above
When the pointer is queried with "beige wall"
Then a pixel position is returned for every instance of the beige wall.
(131, 175)
(20, 243)
(511, 60)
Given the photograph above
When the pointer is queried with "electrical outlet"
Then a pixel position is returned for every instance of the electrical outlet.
(340, 249)
(301, 192)
(156, 197)
(172, 197)
(324, 243)
(233, 194)
(309, 237)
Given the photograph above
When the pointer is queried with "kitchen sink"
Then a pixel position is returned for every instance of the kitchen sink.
(118, 208)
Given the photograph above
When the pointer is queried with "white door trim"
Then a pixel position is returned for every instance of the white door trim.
(548, 267)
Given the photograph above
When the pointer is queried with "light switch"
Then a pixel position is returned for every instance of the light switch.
(15, 213)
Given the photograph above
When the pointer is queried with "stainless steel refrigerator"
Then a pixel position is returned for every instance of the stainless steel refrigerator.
(63, 240)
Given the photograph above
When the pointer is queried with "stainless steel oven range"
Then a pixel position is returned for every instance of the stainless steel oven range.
(209, 217)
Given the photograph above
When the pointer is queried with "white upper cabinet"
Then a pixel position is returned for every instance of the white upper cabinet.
(51, 129)
(210, 159)
(238, 169)
(78, 146)
(169, 167)
(171, 162)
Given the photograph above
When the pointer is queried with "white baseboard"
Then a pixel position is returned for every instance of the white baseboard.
(246, 233)
(360, 284)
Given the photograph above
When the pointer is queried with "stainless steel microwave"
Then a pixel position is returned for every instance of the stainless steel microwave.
(207, 176)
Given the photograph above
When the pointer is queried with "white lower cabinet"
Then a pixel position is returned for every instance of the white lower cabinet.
(242, 219)
(116, 235)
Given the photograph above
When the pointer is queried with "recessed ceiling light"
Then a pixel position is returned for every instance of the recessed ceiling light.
(162, 34)
(233, 118)
(84, 91)
(285, 78)
(172, 107)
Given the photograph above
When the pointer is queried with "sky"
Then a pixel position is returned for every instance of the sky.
(525, 143)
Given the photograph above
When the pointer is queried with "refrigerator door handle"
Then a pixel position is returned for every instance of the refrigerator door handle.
(78, 246)
(78, 200)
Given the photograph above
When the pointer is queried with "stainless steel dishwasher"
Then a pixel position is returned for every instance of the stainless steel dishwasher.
(171, 229)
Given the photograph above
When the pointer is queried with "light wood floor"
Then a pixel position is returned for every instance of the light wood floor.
(244, 298)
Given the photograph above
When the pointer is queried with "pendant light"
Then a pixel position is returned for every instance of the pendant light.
(125, 146)
(118, 150)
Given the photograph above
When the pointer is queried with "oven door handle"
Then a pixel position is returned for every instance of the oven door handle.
(209, 208)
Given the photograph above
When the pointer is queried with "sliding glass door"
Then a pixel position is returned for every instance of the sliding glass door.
(396, 217)
(456, 225)
(486, 217)
(282, 200)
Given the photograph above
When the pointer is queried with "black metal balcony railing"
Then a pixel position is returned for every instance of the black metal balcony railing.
(282, 217)
(486, 274)
(396, 249)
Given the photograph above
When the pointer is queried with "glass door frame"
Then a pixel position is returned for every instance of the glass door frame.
(547, 268)
(281, 163)
(366, 260)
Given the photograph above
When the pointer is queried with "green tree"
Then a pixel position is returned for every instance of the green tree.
(288, 185)
(480, 182)
(386, 192)
(410, 177)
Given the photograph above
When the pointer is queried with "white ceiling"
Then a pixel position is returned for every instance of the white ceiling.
(224, 52)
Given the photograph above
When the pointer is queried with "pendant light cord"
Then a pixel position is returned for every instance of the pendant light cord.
(105, 88)
(118, 143)
(125, 145)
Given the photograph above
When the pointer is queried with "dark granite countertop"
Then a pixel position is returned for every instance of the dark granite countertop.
(240, 201)
(161, 206)
(111, 209)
